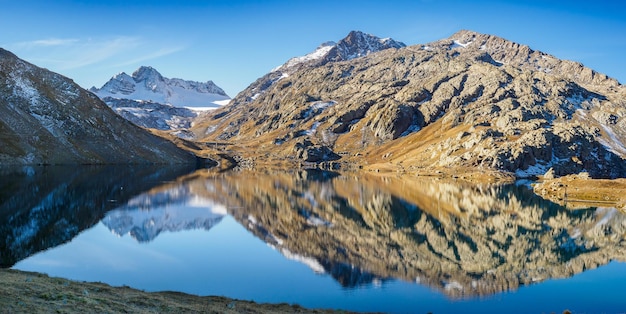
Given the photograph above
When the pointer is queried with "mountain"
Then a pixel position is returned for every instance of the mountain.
(46, 118)
(170, 209)
(150, 100)
(148, 84)
(149, 114)
(469, 103)
(356, 44)
(461, 239)
(42, 207)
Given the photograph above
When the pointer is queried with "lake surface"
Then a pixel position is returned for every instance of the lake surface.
(318, 239)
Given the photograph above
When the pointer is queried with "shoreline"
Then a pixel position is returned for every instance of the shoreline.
(32, 292)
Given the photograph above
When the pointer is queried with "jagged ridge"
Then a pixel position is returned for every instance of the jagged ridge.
(146, 83)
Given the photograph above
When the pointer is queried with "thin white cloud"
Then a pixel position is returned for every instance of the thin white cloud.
(157, 54)
(83, 59)
(89, 52)
(69, 54)
(50, 42)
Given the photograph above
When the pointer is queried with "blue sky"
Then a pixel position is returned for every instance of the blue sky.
(235, 42)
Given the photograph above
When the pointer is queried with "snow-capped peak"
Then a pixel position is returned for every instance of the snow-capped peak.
(176, 209)
(318, 54)
(145, 73)
(147, 84)
(356, 44)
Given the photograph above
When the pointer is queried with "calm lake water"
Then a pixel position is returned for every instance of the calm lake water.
(318, 239)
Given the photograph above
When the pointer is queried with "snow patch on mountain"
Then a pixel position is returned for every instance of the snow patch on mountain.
(318, 54)
(458, 44)
(153, 115)
(308, 261)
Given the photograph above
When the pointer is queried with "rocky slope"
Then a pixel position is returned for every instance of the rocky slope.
(357, 44)
(46, 118)
(150, 100)
(469, 101)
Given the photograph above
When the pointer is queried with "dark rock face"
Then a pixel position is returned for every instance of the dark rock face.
(46, 118)
(308, 152)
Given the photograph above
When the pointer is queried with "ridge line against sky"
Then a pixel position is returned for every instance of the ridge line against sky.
(235, 42)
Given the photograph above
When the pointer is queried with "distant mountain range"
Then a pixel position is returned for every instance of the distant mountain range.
(150, 100)
(148, 84)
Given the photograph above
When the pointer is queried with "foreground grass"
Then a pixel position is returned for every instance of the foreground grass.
(27, 292)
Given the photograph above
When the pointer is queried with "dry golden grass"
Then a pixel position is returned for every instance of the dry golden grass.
(578, 192)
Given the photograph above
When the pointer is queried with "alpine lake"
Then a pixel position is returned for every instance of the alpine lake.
(358, 242)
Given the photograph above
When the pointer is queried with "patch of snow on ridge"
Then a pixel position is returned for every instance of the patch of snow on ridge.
(607, 213)
(309, 261)
(319, 53)
(457, 44)
(317, 108)
(613, 143)
(537, 169)
(222, 102)
(323, 105)
(313, 129)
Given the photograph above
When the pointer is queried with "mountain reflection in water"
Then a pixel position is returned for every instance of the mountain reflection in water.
(463, 240)
(45, 206)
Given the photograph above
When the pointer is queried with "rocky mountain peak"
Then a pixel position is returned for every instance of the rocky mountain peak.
(358, 44)
(147, 73)
(147, 84)
(505, 52)
(6, 54)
